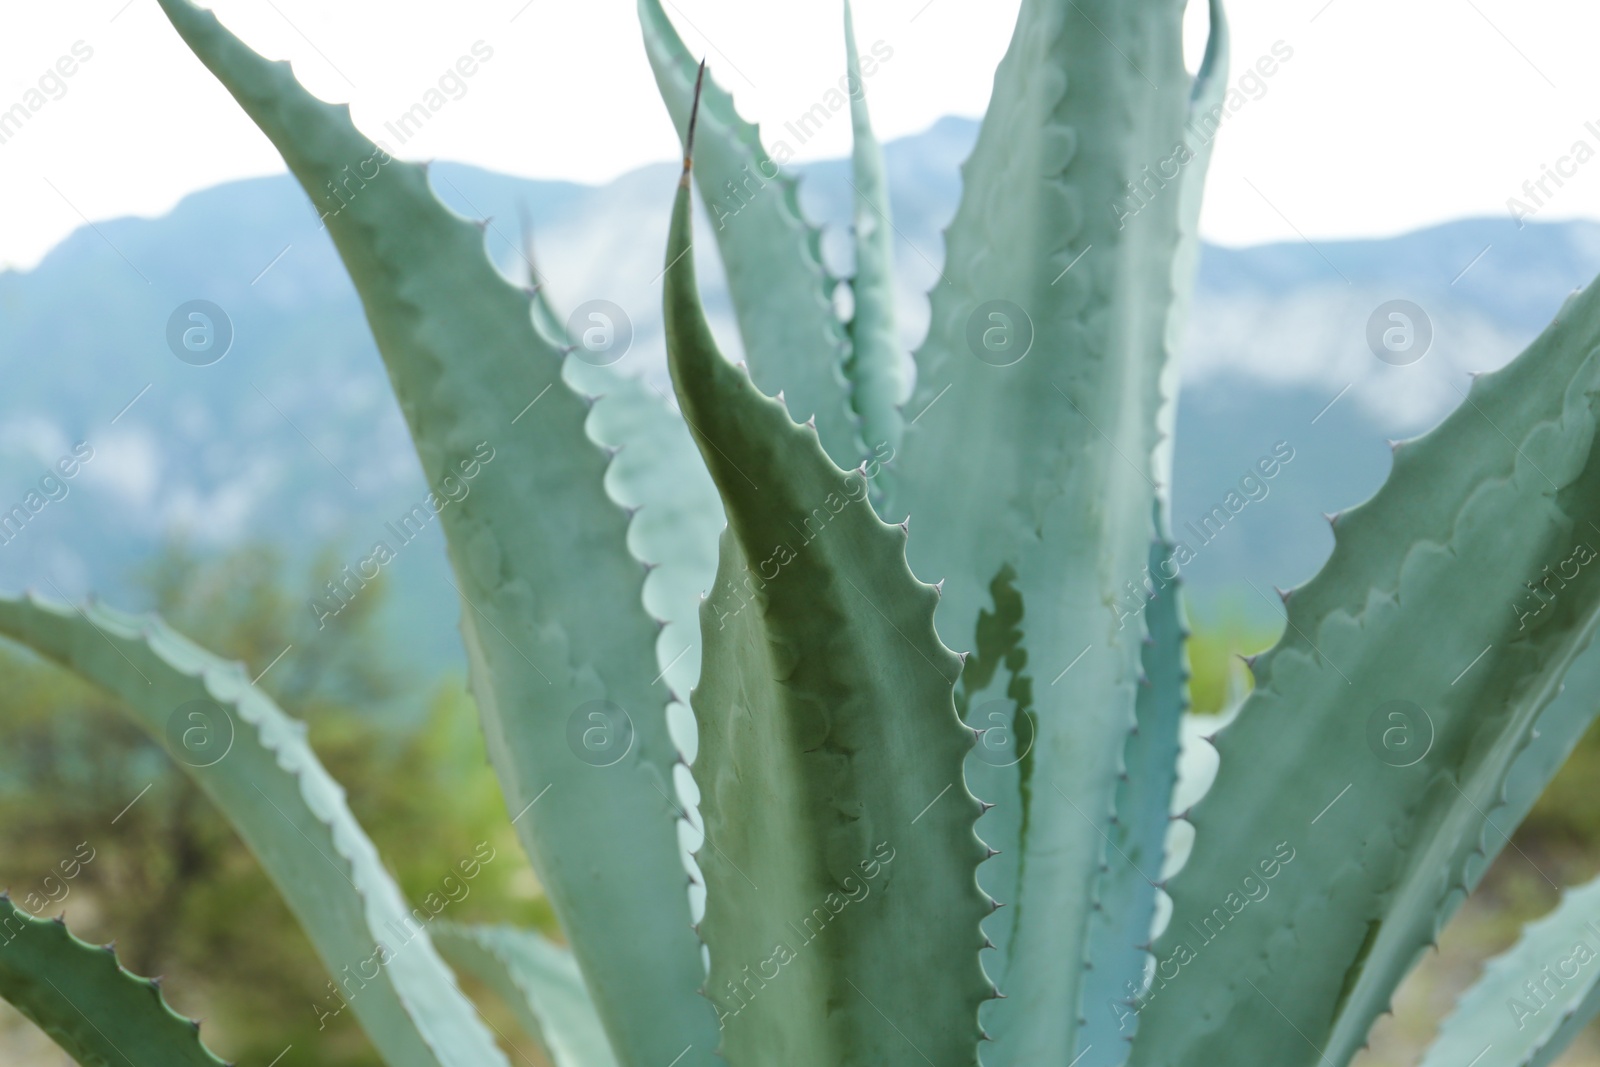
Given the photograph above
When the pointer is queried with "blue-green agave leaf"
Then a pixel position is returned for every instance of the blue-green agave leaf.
(657, 475)
(879, 373)
(545, 320)
(1199, 138)
(560, 651)
(79, 994)
(1030, 455)
(842, 908)
(1123, 920)
(253, 761)
(1122, 925)
(1513, 1025)
(541, 983)
(1355, 784)
(1533, 998)
(1556, 732)
(782, 293)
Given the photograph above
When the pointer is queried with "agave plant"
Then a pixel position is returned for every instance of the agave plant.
(860, 846)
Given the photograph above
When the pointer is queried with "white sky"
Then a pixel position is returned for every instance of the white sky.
(1390, 115)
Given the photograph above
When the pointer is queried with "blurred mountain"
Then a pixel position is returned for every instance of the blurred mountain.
(295, 438)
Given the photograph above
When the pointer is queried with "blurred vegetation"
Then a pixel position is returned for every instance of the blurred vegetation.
(1218, 677)
(182, 896)
(170, 881)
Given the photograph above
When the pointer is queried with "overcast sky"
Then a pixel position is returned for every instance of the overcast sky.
(1389, 115)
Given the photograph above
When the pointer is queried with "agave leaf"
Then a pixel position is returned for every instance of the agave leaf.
(540, 982)
(657, 477)
(1556, 732)
(545, 319)
(879, 373)
(1356, 781)
(782, 294)
(1199, 137)
(79, 994)
(1533, 998)
(1122, 924)
(253, 761)
(995, 697)
(679, 516)
(561, 652)
(1517, 1023)
(657, 473)
(1030, 452)
(842, 908)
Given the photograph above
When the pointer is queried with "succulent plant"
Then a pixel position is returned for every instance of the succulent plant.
(902, 853)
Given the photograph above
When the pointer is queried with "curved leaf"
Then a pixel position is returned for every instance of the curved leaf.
(1533, 998)
(253, 761)
(1122, 925)
(879, 373)
(782, 294)
(1123, 922)
(545, 319)
(839, 850)
(1199, 137)
(657, 474)
(551, 616)
(1031, 453)
(1356, 781)
(541, 983)
(1556, 732)
(78, 994)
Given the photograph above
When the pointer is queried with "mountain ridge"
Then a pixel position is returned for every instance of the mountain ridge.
(294, 437)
